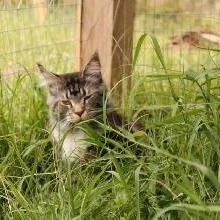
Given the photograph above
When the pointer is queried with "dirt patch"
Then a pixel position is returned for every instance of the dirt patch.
(201, 38)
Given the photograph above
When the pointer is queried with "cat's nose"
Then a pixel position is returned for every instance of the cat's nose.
(79, 113)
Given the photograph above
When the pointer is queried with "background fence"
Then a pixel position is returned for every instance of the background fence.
(35, 32)
(185, 30)
(181, 27)
(31, 33)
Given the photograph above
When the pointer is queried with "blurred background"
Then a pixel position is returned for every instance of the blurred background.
(45, 31)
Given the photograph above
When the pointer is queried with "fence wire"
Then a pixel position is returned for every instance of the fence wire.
(183, 29)
(31, 33)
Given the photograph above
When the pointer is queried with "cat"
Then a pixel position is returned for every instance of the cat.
(75, 97)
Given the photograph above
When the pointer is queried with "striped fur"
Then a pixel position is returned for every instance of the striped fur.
(73, 97)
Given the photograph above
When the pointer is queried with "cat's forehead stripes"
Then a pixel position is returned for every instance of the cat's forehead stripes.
(73, 83)
(82, 91)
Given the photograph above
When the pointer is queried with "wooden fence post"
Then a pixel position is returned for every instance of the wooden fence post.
(107, 27)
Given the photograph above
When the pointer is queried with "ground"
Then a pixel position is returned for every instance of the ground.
(172, 172)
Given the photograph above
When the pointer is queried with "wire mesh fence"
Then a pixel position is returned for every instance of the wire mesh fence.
(182, 28)
(33, 32)
(189, 36)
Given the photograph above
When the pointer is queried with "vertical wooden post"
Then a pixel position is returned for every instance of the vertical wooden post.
(107, 27)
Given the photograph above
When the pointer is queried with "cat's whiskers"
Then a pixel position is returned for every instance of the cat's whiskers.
(96, 111)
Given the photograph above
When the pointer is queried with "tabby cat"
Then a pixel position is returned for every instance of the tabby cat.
(74, 97)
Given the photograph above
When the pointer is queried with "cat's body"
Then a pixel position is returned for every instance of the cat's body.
(73, 142)
(75, 97)
(71, 138)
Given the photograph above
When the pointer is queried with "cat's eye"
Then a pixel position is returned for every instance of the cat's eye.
(66, 102)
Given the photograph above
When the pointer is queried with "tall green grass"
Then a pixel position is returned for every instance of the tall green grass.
(174, 175)
(171, 172)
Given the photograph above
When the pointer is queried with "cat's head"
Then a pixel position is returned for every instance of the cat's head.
(77, 96)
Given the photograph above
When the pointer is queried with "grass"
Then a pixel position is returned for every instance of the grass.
(175, 174)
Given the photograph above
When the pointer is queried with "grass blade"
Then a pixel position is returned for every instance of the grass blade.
(138, 48)
(137, 191)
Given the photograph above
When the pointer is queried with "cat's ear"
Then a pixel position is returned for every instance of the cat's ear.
(93, 66)
(52, 80)
(49, 77)
(92, 71)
